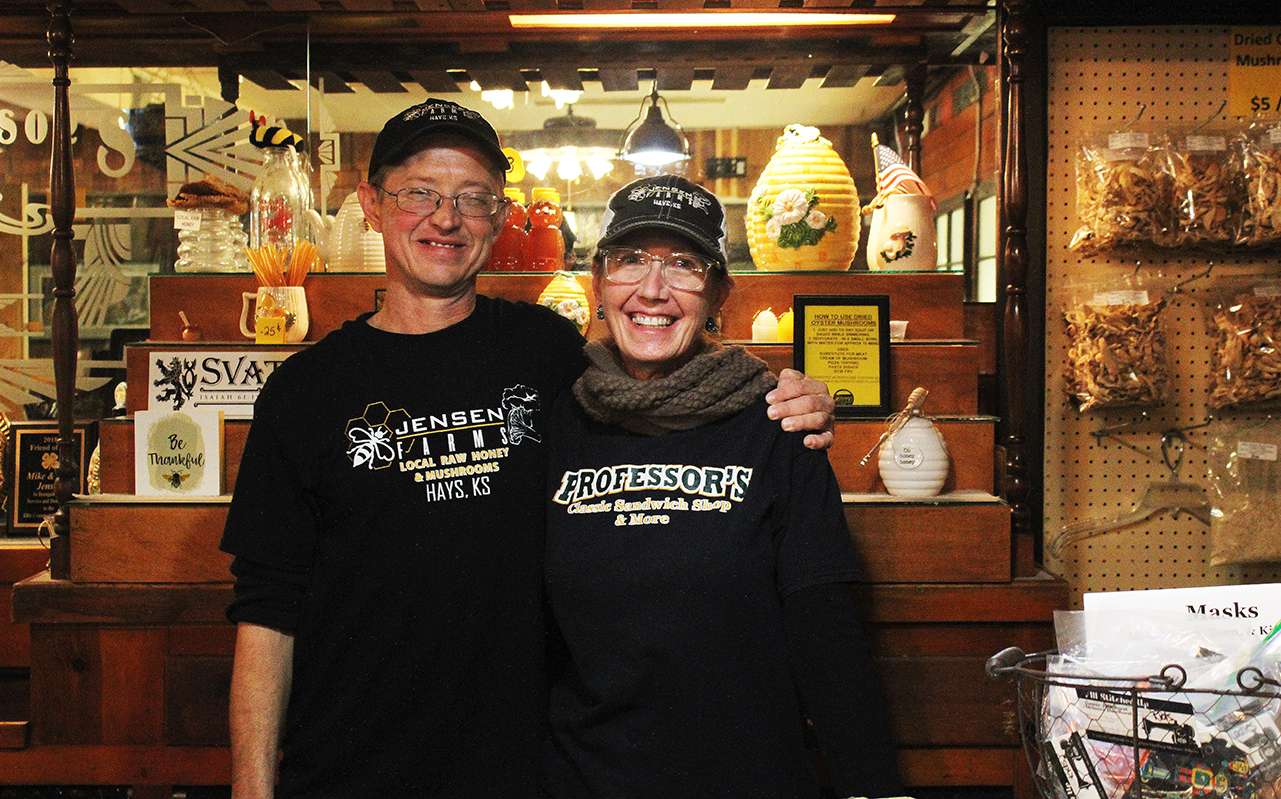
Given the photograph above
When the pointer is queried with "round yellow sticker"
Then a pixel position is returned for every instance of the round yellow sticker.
(516, 170)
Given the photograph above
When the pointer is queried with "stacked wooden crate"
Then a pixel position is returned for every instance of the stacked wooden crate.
(131, 656)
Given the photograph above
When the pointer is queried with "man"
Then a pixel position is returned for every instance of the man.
(387, 525)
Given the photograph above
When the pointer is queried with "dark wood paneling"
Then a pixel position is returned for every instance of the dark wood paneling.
(118, 765)
(45, 600)
(947, 702)
(133, 670)
(135, 542)
(1022, 600)
(215, 640)
(197, 690)
(956, 767)
(981, 326)
(14, 734)
(899, 543)
(66, 686)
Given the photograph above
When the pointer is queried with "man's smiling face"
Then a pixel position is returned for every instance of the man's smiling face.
(440, 253)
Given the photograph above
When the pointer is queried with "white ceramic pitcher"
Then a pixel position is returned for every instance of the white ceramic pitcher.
(291, 299)
(901, 234)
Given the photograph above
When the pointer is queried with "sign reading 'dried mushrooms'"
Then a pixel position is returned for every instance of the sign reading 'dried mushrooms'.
(1254, 72)
(845, 342)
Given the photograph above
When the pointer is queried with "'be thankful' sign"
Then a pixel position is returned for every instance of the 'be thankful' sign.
(177, 453)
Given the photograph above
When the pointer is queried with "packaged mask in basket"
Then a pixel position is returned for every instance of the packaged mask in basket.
(1245, 489)
(1204, 182)
(1261, 170)
(1088, 734)
(1245, 318)
(1122, 194)
(1117, 353)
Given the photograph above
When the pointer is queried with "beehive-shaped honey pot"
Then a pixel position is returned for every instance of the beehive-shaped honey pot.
(804, 211)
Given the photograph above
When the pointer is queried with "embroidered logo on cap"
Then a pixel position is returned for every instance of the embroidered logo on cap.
(669, 194)
(443, 111)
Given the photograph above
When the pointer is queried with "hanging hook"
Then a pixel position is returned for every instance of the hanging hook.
(1173, 441)
(1212, 117)
(1143, 108)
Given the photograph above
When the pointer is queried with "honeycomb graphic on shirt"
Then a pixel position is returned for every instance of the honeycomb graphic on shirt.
(370, 440)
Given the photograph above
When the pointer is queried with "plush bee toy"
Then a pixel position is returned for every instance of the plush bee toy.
(265, 135)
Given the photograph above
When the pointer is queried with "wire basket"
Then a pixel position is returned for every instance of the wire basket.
(1087, 737)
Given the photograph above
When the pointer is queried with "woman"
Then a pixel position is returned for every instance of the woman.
(697, 555)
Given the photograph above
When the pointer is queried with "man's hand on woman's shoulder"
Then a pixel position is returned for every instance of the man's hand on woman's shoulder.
(802, 403)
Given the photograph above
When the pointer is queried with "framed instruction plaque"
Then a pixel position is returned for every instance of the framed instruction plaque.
(845, 342)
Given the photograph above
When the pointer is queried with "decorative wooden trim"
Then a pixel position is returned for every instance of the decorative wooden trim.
(915, 115)
(62, 206)
(1013, 265)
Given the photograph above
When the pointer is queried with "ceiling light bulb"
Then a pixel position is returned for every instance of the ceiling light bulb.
(561, 97)
(569, 169)
(538, 167)
(600, 167)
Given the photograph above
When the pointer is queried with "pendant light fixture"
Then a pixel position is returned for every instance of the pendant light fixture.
(649, 141)
(570, 145)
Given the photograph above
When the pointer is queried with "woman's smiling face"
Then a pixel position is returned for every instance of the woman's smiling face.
(657, 328)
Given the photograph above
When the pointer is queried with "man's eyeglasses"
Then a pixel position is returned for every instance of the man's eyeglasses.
(424, 202)
(626, 266)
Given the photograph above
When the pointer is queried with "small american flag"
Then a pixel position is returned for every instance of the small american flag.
(894, 177)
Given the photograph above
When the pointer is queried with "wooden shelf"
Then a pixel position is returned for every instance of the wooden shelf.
(970, 440)
(917, 542)
(931, 301)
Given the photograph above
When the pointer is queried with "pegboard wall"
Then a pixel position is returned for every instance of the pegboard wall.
(1100, 79)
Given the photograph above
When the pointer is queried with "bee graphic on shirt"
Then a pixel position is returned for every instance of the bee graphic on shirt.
(176, 478)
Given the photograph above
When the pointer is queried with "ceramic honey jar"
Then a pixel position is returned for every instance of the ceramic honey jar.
(803, 213)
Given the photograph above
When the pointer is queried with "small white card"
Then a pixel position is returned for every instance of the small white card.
(1206, 144)
(177, 453)
(1256, 451)
(1128, 141)
(1121, 298)
(186, 219)
(1268, 290)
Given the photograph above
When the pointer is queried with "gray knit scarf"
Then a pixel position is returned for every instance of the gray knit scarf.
(714, 384)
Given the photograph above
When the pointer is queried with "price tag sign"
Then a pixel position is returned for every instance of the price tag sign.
(269, 330)
(1254, 71)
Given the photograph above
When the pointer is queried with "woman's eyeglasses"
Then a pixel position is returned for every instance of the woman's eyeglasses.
(627, 266)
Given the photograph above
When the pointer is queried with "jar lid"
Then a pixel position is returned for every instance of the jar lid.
(546, 194)
(515, 195)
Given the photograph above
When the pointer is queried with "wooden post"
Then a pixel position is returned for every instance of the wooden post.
(915, 115)
(62, 206)
(1013, 265)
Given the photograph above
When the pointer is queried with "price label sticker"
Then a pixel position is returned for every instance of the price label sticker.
(269, 330)
(1274, 136)
(186, 219)
(1206, 144)
(1254, 71)
(1255, 451)
(1268, 290)
(1130, 140)
(1121, 298)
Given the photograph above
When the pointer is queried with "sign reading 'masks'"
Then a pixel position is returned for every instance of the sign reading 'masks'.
(210, 380)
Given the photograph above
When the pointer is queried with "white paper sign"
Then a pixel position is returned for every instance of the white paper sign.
(1121, 298)
(177, 453)
(1128, 141)
(1254, 450)
(210, 380)
(186, 219)
(1256, 608)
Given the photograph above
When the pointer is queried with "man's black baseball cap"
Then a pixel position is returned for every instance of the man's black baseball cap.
(667, 202)
(395, 141)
